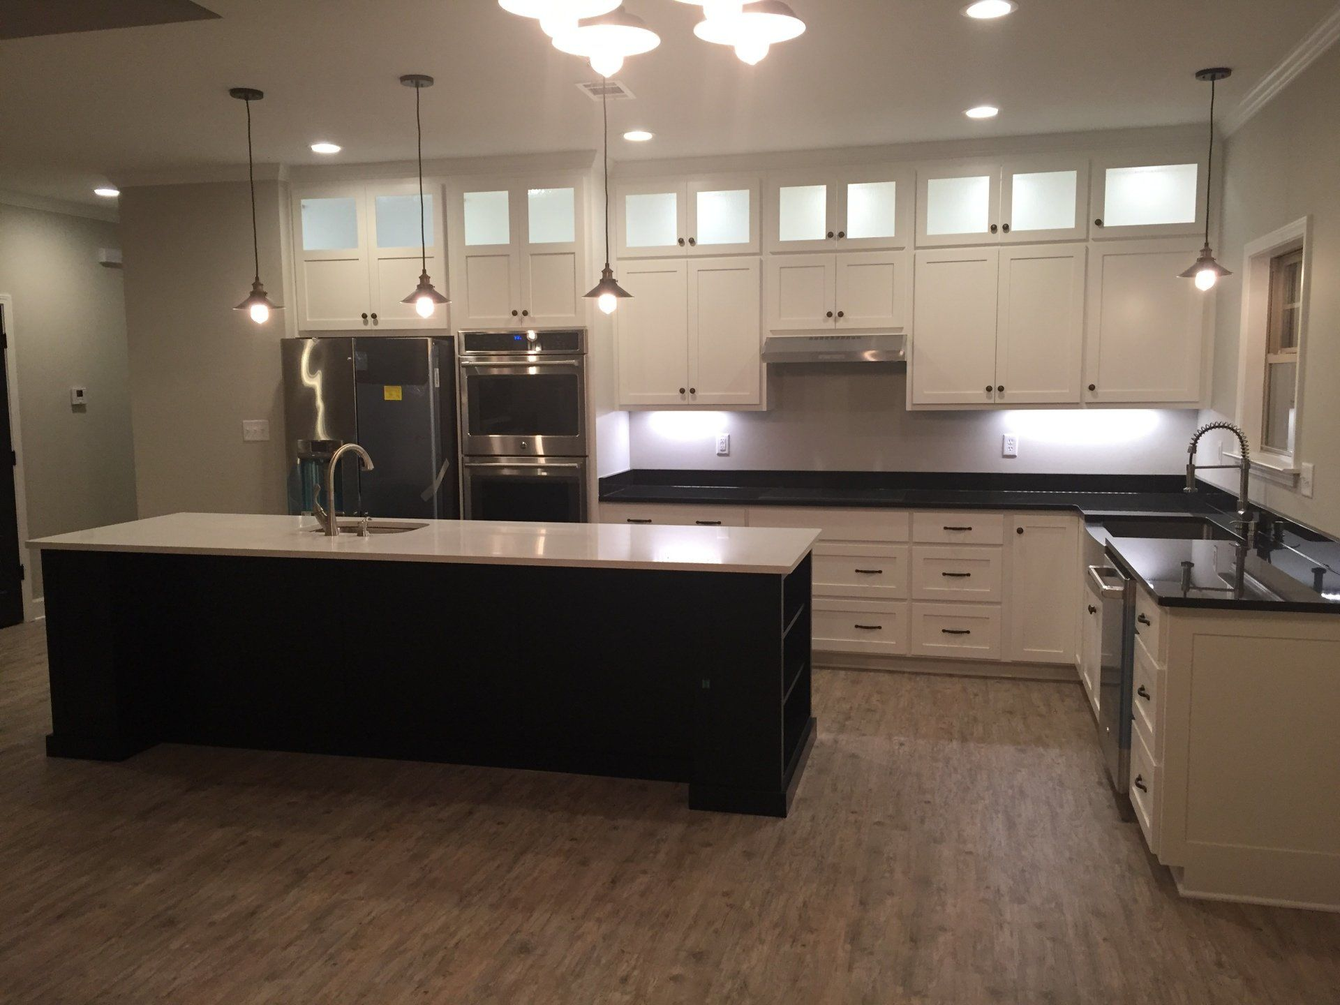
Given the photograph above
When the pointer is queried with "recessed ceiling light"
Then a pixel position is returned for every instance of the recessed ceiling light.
(638, 135)
(107, 192)
(982, 112)
(325, 148)
(984, 10)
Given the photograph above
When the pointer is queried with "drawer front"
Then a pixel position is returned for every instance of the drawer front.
(860, 626)
(879, 525)
(1149, 625)
(957, 631)
(950, 573)
(654, 513)
(1146, 701)
(958, 527)
(1144, 789)
(876, 571)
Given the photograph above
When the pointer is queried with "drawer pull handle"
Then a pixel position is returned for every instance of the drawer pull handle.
(956, 575)
(957, 631)
(870, 628)
(636, 520)
(1139, 783)
(1143, 620)
(1143, 693)
(708, 523)
(869, 572)
(958, 528)
(1092, 609)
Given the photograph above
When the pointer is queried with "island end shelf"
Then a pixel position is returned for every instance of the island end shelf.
(641, 672)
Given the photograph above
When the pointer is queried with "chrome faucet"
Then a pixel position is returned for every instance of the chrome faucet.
(327, 517)
(1245, 466)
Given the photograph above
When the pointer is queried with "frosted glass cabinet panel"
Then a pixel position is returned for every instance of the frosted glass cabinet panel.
(398, 220)
(487, 219)
(1044, 199)
(842, 209)
(722, 217)
(958, 204)
(701, 216)
(802, 213)
(872, 209)
(330, 223)
(551, 215)
(1133, 198)
(650, 220)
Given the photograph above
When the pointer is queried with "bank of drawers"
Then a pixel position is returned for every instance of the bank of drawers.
(1149, 681)
(675, 514)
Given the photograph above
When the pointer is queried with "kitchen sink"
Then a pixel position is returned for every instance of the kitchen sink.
(1168, 527)
(349, 528)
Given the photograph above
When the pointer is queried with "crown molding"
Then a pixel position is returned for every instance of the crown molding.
(23, 200)
(1298, 59)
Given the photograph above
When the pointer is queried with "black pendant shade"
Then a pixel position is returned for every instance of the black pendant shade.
(424, 298)
(607, 293)
(1206, 271)
(257, 303)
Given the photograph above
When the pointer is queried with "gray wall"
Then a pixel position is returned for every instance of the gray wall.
(853, 418)
(69, 329)
(1282, 165)
(197, 367)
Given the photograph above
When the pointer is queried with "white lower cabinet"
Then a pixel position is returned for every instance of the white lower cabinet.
(874, 627)
(957, 631)
(1090, 651)
(1044, 593)
(860, 569)
(674, 514)
(954, 572)
(1144, 789)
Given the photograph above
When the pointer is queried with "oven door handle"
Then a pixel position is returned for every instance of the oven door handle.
(1100, 573)
(520, 362)
(526, 469)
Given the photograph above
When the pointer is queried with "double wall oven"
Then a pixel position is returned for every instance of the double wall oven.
(523, 425)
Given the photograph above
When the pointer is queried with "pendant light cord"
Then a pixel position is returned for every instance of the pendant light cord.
(1209, 167)
(423, 233)
(605, 159)
(251, 177)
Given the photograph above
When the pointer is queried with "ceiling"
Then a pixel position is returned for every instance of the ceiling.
(84, 109)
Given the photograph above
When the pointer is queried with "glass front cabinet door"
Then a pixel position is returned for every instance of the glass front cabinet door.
(851, 209)
(958, 204)
(1148, 197)
(1044, 199)
(704, 216)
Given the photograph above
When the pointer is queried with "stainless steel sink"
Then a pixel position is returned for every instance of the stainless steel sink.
(375, 528)
(1190, 528)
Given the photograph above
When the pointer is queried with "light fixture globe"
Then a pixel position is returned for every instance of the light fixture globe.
(258, 304)
(1206, 271)
(424, 298)
(607, 293)
(753, 30)
(608, 40)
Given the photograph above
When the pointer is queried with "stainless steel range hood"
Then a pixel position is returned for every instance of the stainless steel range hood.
(835, 349)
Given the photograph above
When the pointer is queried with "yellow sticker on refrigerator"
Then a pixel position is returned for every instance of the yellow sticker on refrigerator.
(392, 392)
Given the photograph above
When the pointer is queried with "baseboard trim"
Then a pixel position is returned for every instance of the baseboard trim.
(1051, 672)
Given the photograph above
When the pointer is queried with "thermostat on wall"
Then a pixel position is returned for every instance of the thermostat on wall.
(78, 397)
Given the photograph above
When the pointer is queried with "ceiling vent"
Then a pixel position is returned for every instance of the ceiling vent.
(612, 89)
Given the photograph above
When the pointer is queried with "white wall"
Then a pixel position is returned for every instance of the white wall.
(853, 418)
(68, 324)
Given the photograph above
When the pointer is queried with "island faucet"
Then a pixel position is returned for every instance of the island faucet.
(328, 519)
(1245, 466)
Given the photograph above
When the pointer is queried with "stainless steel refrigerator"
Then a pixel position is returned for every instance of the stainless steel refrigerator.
(396, 397)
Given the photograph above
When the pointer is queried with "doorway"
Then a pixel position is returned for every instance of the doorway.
(12, 571)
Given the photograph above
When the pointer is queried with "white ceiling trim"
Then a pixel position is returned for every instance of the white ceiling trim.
(88, 212)
(1298, 59)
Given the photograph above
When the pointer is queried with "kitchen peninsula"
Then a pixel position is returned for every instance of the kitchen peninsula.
(669, 653)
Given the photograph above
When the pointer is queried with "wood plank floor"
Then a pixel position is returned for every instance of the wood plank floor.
(953, 841)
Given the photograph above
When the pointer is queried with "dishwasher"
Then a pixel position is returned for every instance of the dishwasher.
(1113, 593)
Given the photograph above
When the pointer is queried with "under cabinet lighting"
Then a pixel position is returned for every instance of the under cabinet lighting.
(985, 10)
(323, 147)
(638, 136)
(107, 192)
(982, 112)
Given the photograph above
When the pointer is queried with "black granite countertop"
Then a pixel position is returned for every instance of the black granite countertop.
(1285, 568)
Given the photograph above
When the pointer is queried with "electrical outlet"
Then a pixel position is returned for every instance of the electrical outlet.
(78, 397)
(1305, 480)
(723, 444)
(255, 430)
(1009, 445)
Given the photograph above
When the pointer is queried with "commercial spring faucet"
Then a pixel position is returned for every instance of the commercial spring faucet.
(1192, 467)
(328, 519)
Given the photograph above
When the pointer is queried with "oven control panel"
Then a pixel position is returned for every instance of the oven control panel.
(547, 340)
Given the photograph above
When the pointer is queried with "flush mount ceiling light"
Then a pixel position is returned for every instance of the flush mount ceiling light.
(982, 112)
(424, 298)
(1206, 271)
(638, 136)
(322, 147)
(608, 40)
(257, 304)
(986, 10)
(108, 192)
(607, 293)
(557, 16)
(752, 28)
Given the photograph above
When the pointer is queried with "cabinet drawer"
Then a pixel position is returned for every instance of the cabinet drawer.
(643, 513)
(958, 527)
(958, 631)
(1149, 624)
(877, 571)
(860, 626)
(950, 573)
(1146, 702)
(836, 524)
(1144, 790)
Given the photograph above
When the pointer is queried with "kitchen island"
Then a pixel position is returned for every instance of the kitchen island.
(669, 653)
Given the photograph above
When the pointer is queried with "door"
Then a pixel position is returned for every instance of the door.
(722, 215)
(873, 289)
(724, 334)
(954, 332)
(801, 292)
(1145, 333)
(11, 558)
(536, 489)
(1044, 550)
(489, 269)
(395, 259)
(1040, 324)
(332, 259)
(397, 402)
(1044, 199)
(1144, 197)
(874, 208)
(802, 212)
(652, 331)
(550, 251)
(650, 219)
(958, 203)
(523, 406)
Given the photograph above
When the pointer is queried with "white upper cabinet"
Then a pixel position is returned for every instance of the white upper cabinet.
(1145, 336)
(517, 252)
(653, 333)
(1136, 196)
(1044, 199)
(849, 209)
(863, 290)
(724, 332)
(702, 216)
(954, 334)
(1040, 324)
(958, 203)
(801, 292)
(357, 254)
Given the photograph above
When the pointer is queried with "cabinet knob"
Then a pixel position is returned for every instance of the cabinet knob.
(1000, 388)
(693, 390)
(1143, 620)
(1143, 693)
(1139, 783)
(515, 313)
(1092, 609)
(842, 234)
(525, 314)
(374, 315)
(681, 390)
(1005, 227)
(1097, 223)
(693, 240)
(681, 242)
(828, 315)
(1018, 530)
(830, 235)
(365, 315)
(988, 388)
(994, 228)
(842, 314)
(1093, 387)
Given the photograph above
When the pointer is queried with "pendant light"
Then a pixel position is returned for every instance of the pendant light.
(424, 298)
(257, 304)
(607, 292)
(556, 16)
(752, 29)
(608, 39)
(1206, 271)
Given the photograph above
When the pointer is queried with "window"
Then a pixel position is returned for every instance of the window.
(1283, 323)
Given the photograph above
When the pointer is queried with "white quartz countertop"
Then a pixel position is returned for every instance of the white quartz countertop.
(476, 542)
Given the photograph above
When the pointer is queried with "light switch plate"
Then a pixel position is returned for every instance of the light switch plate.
(723, 444)
(78, 397)
(255, 430)
(1305, 471)
(1009, 445)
